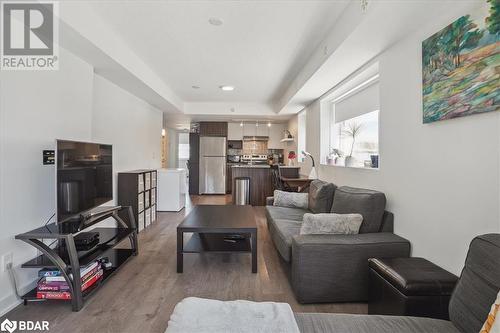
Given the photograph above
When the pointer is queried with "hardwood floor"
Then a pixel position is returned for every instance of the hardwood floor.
(142, 295)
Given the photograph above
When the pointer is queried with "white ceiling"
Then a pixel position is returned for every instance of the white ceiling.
(280, 54)
(366, 39)
(259, 49)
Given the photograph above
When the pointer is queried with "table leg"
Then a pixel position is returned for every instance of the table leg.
(180, 249)
(254, 251)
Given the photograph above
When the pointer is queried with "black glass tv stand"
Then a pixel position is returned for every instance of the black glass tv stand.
(66, 258)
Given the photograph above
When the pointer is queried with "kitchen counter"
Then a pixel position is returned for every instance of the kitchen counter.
(242, 165)
(261, 185)
(261, 182)
(171, 189)
(261, 166)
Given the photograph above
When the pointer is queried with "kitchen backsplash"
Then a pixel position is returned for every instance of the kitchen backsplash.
(234, 151)
(267, 152)
(254, 147)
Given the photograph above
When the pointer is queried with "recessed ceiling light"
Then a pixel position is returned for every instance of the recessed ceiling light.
(195, 87)
(215, 21)
(269, 124)
(227, 88)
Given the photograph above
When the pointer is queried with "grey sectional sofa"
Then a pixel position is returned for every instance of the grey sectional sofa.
(470, 302)
(334, 268)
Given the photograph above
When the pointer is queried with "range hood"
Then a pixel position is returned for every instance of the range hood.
(255, 138)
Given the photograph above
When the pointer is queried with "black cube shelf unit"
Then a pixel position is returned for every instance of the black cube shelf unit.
(137, 189)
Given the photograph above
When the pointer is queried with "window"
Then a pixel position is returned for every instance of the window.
(183, 150)
(350, 126)
(301, 135)
(355, 141)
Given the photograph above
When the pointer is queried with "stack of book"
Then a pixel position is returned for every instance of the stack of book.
(52, 284)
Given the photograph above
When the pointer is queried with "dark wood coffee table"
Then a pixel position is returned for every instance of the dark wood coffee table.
(218, 229)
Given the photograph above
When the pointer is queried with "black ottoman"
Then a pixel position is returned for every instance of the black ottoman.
(409, 287)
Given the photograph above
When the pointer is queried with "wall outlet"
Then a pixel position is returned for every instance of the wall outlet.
(7, 261)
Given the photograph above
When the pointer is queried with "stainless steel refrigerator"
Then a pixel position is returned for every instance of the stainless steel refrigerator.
(212, 165)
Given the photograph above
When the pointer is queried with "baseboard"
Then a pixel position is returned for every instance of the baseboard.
(11, 301)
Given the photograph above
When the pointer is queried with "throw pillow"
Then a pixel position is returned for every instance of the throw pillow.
(321, 196)
(492, 324)
(290, 199)
(331, 223)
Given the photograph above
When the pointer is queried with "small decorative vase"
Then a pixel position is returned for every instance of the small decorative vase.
(348, 161)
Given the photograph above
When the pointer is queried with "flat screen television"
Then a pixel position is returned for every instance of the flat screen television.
(84, 178)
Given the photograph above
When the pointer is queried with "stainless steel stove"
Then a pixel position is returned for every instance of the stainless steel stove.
(254, 159)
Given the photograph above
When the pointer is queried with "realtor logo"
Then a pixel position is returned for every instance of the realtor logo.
(8, 326)
(30, 33)
(24, 325)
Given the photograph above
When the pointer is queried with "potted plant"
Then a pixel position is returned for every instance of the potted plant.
(352, 131)
(291, 157)
(333, 156)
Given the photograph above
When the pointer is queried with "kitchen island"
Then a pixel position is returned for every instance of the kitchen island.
(261, 184)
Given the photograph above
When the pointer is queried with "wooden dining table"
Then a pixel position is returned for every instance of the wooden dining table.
(301, 183)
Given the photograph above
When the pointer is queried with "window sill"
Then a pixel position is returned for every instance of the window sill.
(349, 167)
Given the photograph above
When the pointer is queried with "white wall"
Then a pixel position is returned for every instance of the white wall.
(442, 180)
(131, 125)
(173, 148)
(35, 109)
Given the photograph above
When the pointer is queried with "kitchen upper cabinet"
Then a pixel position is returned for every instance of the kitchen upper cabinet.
(262, 130)
(275, 136)
(249, 130)
(234, 131)
(212, 128)
(235, 144)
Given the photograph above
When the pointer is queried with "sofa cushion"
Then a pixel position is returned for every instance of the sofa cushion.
(282, 232)
(320, 196)
(285, 213)
(331, 223)
(351, 323)
(334, 268)
(370, 204)
(478, 285)
(290, 199)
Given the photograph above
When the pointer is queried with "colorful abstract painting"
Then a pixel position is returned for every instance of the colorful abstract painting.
(461, 66)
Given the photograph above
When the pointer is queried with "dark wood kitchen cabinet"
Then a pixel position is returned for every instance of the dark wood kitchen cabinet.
(194, 178)
(213, 128)
(229, 178)
(235, 144)
(194, 163)
(261, 185)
